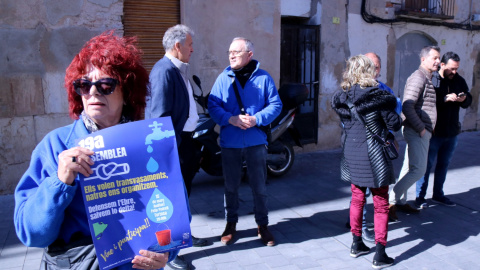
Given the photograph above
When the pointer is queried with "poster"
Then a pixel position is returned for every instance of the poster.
(135, 198)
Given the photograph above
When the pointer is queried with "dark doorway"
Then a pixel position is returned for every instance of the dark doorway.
(299, 63)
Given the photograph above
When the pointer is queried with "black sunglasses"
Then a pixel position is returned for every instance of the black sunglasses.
(104, 86)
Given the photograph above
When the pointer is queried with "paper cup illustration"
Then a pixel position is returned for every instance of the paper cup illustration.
(164, 237)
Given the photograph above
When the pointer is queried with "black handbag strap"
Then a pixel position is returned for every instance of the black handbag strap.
(353, 109)
(239, 99)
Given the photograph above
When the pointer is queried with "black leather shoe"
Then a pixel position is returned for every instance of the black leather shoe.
(198, 242)
(229, 233)
(178, 263)
(368, 236)
(266, 236)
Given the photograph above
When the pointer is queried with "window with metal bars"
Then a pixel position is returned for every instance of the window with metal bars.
(436, 8)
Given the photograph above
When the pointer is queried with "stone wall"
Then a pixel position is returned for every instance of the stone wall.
(257, 20)
(334, 50)
(38, 40)
(352, 36)
(381, 38)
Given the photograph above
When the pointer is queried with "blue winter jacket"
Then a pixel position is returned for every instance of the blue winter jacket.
(260, 99)
(47, 209)
(383, 86)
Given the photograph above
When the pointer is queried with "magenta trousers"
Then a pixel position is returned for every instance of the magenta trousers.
(380, 216)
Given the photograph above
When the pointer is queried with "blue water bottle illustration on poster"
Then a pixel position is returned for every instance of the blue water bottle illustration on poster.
(135, 198)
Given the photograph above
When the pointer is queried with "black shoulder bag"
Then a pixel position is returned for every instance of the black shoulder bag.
(390, 145)
(266, 129)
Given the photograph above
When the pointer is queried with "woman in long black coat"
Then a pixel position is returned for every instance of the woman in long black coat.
(364, 163)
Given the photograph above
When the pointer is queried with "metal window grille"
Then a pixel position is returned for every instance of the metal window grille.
(433, 7)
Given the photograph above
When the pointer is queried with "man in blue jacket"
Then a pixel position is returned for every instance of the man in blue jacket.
(240, 135)
(172, 95)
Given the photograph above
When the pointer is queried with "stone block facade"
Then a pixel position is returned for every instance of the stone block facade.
(38, 40)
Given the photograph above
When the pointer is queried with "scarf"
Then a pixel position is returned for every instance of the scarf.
(244, 73)
(92, 127)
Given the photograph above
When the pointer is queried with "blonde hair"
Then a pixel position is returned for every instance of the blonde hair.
(360, 70)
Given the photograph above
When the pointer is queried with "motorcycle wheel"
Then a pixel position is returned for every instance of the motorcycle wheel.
(280, 158)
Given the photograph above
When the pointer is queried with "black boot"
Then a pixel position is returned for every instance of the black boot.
(381, 260)
(358, 247)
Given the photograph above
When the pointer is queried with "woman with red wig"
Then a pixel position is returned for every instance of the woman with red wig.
(106, 85)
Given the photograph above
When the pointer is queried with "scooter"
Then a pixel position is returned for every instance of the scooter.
(281, 154)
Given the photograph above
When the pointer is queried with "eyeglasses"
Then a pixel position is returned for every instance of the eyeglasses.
(236, 53)
(104, 86)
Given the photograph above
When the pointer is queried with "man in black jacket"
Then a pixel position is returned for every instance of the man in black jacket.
(452, 93)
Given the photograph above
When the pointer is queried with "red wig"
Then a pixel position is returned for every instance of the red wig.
(117, 57)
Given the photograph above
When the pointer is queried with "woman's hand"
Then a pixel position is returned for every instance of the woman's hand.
(150, 260)
(73, 161)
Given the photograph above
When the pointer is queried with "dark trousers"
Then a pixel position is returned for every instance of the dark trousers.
(380, 216)
(186, 154)
(232, 161)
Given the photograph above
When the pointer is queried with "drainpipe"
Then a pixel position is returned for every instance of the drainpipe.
(470, 14)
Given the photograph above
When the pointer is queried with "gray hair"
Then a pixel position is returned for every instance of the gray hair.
(426, 50)
(177, 33)
(248, 43)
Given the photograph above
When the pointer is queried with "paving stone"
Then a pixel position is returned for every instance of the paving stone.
(276, 261)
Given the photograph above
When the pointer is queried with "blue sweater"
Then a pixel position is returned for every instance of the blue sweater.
(260, 99)
(47, 209)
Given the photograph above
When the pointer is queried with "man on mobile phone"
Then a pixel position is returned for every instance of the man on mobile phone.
(452, 93)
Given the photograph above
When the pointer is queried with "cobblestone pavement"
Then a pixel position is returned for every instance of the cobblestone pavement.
(308, 212)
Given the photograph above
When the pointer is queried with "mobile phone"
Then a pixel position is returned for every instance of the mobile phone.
(461, 94)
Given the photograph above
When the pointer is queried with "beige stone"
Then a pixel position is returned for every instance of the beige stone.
(27, 95)
(21, 14)
(10, 174)
(6, 98)
(260, 22)
(17, 140)
(48, 122)
(56, 98)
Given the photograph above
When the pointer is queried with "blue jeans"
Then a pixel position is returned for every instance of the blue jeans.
(232, 162)
(442, 149)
